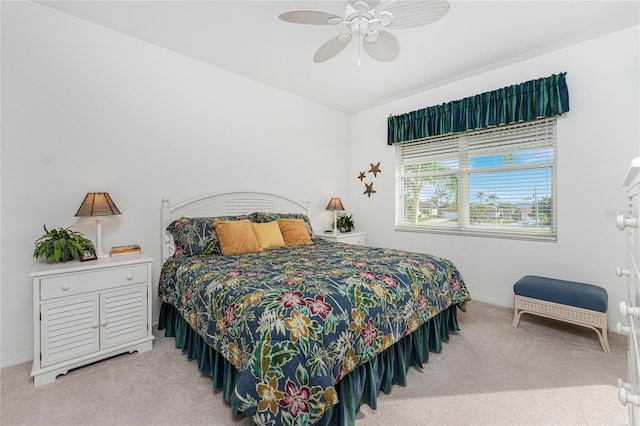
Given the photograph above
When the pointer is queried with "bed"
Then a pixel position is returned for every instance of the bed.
(302, 333)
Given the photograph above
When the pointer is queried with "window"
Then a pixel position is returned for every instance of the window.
(498, 182)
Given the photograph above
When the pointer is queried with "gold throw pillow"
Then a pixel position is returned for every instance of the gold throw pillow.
(236, 237)
(268, 235)
(295, 232)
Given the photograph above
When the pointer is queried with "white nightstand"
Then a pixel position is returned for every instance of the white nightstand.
(88, 311)
(359, 238)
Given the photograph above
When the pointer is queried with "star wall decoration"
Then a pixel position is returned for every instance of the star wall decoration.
(369, 189)
(375, 169)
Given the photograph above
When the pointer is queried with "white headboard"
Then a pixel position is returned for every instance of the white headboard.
(224, 204)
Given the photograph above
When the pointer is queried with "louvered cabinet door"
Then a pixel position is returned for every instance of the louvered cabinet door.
(123, 316)
(69, 329)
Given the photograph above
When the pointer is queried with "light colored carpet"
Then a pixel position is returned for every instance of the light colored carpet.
(542, 373)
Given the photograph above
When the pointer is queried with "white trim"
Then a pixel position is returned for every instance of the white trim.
(15, 359)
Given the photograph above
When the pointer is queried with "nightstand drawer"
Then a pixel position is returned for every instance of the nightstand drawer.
(354, 239)
(78, 283)
(358, 238)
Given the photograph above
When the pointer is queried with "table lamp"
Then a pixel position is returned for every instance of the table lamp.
(335, 204)
(98, 204)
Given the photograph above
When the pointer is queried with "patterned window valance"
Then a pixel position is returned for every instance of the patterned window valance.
(528, 101)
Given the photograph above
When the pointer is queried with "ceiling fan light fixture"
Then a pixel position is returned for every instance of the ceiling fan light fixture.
(359, 26)
(385, 18)
(361, 6)
(360, 15)
(372, 36)
(364, 5)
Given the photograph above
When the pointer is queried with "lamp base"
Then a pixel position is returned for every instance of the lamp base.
(100, 254)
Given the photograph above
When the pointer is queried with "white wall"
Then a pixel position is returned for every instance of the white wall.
(597, 139)
(87, 109)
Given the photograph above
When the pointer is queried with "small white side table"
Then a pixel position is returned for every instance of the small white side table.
(87, 311)
(358, 238)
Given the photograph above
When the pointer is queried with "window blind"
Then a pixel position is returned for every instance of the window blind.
(494, 182)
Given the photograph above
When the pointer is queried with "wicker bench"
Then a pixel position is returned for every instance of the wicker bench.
(573, 302)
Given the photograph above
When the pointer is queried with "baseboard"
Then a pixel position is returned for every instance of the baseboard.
(15, 359)
(496, 302)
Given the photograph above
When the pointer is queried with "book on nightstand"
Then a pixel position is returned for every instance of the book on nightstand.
(122, 250)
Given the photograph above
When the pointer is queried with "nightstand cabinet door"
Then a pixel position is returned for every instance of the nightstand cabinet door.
(123, 316)
(69, 329)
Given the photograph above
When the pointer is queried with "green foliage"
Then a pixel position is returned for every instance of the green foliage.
(60, 245)
(302, 376)
(345, 223)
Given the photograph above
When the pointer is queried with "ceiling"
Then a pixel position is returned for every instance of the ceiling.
(247, 38)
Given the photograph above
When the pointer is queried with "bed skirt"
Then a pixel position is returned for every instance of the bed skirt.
(359, 387)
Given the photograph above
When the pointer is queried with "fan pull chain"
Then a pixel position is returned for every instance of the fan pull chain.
(359, 45)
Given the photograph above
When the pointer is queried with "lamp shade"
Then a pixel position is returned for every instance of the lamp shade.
(97, 204)
(335, 204)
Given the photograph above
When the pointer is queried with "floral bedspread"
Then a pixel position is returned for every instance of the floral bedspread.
(295, 320)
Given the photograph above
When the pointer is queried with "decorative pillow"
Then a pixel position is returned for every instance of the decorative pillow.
(236, 237)
(194, 236)
(295, 232)
(263, 217)
(268, 234)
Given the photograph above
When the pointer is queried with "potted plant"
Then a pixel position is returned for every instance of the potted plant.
(61, 245)
(345, 223)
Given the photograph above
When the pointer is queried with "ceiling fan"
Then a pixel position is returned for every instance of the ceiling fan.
(362, 21)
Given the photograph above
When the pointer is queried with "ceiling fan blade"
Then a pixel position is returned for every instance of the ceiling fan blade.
(332, 48)
(364, 5)
(311, 17)
(384, 48)
(414, 13)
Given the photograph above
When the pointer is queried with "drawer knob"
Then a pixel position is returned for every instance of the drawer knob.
(94, 325)
(620, 272)
(129, 277)
(627, 397)
(622, 329)
(629, 310)
(65, 287)
(103, 323)
(621, 384)
(623, 221)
